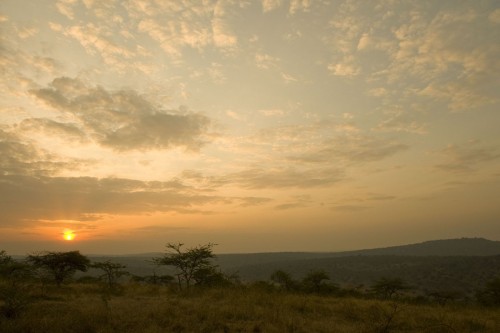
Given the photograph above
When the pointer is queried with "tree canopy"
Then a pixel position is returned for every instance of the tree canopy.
(389, 287)
(59, 266)
(192, 264)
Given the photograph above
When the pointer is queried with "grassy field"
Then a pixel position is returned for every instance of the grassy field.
(84, 308)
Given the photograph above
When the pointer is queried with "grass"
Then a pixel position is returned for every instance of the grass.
(83, 308)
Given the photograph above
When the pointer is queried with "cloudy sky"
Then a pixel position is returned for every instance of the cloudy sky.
(268, 125)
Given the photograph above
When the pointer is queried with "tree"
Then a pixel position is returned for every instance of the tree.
(59, 266)
(445, 296)
(189, 263)
(315, 282)
(112, 272)
(14, 289)
(388, 287)
(283, 280)
(12, 271)
(490, 294)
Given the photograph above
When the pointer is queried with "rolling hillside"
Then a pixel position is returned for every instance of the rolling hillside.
(454, 264)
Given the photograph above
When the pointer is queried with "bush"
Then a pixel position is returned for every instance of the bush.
(490, 294)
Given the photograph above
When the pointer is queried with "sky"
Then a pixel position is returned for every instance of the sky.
(268, 125)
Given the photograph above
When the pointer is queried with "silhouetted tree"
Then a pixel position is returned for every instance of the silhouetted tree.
(315, 281)
(283, 279)
(211, 277)
(112, 272)
(490, 294)
(190, 263)
(389, 287)
(12, 271)
(445, 296)
(15, 287)
(158, 279)
(59, 266)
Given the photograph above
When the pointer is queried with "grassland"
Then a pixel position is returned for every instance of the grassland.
(87, 308)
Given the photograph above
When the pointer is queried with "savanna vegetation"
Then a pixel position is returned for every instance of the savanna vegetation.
(41, 294)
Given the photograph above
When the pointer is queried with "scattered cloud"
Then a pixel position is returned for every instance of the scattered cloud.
(272, 112)
(352, 149)
(265, 61)
(20, 157)
(66, 7)
(399, 120)
(122, 120)
(300, 201)
(258, 178)
(466, 157)
(269, 5)
(52, 128)
(253, 201)
(299, 5)
(494, 16)
(349, 208)
(344, 69)
(288, 77)
(77, 198)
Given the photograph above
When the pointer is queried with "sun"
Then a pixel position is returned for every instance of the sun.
(68, 235)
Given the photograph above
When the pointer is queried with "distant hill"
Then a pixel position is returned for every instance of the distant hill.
(442, 247)
(465, 273)
(462, 264)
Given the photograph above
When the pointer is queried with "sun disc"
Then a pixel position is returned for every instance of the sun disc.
(68, 235)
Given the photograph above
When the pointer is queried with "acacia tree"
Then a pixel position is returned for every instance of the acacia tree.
(490, 294)
(316, 282)
(12, 271)
(112, 272)
(190, 263)
(59, 266)
(14, 286)
(283, 279)
(388, 287)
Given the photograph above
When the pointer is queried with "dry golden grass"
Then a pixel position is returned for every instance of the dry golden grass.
(85, 309)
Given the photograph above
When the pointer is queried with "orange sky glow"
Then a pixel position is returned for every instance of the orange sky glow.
(273, 125)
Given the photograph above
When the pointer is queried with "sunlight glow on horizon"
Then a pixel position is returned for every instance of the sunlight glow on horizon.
(284, 125)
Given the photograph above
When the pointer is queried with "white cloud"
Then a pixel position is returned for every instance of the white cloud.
(299, 5)
(288, 77)
(344, 69)
(66, 7)
(266, 61)
(378, 92)
(55, 26)
(269, 5)
(364, 42)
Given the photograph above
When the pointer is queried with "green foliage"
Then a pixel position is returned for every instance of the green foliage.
(193, 265)
(490, 294)
(59, 266)
(389, 287)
